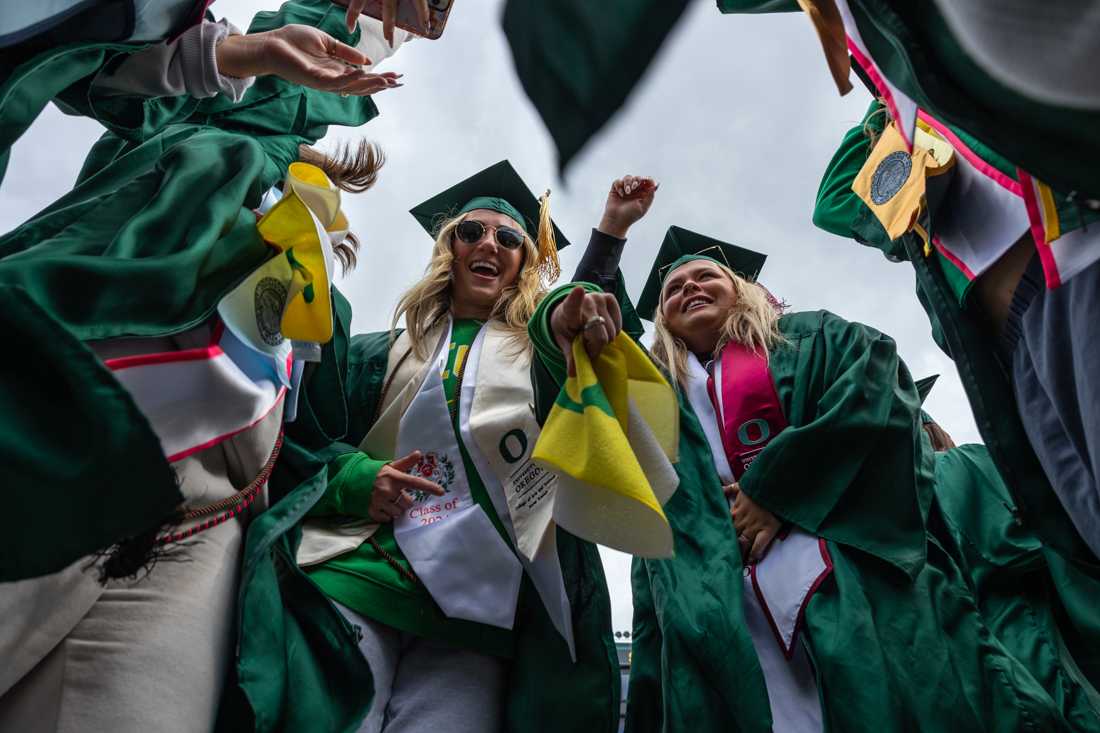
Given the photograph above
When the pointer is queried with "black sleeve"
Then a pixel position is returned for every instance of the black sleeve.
(600, 261)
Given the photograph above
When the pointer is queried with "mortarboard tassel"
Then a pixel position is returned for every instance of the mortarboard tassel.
(547, 244)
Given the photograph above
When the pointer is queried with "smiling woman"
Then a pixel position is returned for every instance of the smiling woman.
(474, 274)
(803, 428)
(431, 495)
(705, 302)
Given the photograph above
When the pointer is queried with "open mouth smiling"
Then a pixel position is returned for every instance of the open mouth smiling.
(484, 268)
(695, 302)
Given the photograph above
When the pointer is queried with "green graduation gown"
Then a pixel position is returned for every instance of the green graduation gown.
(1013, 577)
(158, 227)
(547, 691)
(894, 635)
(965, 338)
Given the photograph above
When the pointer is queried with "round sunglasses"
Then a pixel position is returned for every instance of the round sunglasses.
(471, 231)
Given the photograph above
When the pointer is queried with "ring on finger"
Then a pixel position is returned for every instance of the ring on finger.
(593, 322)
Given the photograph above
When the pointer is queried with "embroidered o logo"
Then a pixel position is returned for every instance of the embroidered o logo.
(513, 446)
(754, 432)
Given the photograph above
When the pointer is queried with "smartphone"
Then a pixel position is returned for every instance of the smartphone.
(438, 10)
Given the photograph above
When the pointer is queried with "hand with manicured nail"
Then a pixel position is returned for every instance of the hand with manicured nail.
(628, 201)
(390, 494)
(389, 15)
(304, 55)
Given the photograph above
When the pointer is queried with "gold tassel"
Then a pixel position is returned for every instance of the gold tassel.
(547, 245)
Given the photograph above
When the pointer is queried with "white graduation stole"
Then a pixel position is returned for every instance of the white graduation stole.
(499, 430)
(450, 542)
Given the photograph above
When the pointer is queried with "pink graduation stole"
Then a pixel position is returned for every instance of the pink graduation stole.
(780, 586)
(745, 400)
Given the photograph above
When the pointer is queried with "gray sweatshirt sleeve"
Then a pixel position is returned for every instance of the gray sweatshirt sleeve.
(187, 65)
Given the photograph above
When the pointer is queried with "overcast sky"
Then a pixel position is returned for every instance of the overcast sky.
(736, 119)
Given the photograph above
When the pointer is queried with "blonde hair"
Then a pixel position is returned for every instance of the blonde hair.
(753, 321)
(427, 301)
(869, 130)
(352, 169)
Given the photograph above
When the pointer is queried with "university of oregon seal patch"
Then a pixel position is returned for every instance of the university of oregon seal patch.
(270, 301)
(890, 175)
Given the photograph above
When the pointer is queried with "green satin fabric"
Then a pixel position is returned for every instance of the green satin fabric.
(1021, 587)
(156, 230)
(579, 61)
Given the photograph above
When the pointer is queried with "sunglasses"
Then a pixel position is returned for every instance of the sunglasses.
(471, 231)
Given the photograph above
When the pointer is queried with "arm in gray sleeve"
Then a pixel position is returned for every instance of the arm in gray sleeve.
(187, 65)
(600, 261)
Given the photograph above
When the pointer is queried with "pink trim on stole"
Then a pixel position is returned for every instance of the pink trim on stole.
(211, 351)
(1039, 231)
(943, 250)
(973, 158)
(800, 621)
(880, 83)
(214, 441)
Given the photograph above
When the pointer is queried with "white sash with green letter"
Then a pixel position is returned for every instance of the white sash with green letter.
(450, 542)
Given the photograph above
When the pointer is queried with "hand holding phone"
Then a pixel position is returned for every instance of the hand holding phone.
(425, 18)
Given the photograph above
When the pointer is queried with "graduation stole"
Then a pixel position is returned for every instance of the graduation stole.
(451, 544)
(288, 298)
(742, 408)
(748, 410)
(893, 181)
(1063, 250)
(499, 431)
(611, 438)
(195, 398)
(902, 108)
(984, 215)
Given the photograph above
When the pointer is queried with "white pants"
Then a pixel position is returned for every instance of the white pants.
(145, 654)
(423, 686)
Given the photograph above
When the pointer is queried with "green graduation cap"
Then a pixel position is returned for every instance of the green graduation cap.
(498, 188)
(924, 386)
(680, 246)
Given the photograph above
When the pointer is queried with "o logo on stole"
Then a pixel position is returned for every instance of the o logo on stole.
(762, 427)
(505, 447)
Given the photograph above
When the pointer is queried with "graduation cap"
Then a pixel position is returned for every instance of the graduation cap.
(681, 246)
(498, 188)
(924, 386)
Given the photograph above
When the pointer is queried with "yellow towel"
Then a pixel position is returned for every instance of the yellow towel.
(611, 439)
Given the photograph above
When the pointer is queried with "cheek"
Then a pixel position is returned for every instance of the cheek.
(512, 260)
(673, 317)
(723, 295)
